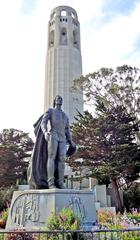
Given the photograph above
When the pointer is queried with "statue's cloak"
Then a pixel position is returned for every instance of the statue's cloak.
(37, 170)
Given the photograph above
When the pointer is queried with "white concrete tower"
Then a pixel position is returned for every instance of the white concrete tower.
(63, 60)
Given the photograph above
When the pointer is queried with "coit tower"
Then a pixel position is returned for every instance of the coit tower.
(63, 60)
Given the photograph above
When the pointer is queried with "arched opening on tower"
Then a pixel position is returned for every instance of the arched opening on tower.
(63, 13)
(53, 15)
(51, 38)
(75, 39)
(63, 36)
(73, 15)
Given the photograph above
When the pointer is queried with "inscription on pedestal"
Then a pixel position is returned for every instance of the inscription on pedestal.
(26, 209)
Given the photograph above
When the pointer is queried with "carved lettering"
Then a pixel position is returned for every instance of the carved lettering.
(26, 209)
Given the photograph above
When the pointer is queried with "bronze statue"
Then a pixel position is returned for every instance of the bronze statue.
(47, 165)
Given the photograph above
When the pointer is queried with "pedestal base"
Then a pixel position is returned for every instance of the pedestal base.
(30, 209)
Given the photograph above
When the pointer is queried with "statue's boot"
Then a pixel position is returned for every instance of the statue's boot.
(61, 186)
(51, 184)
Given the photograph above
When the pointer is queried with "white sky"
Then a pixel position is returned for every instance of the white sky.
(110, 36)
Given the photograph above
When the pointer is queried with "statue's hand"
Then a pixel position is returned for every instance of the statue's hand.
(72, 144)
(72, 149)
(47, 136)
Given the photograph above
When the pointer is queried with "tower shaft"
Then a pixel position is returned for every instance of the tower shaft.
(63, 60)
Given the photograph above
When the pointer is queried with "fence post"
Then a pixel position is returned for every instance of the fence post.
(63, 238)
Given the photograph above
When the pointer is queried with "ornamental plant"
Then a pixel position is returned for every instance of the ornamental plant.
(66, 219)
(4, 214)
(106, 217)
(112, 221)
(3, 218)
(19, 234)
(134, 217)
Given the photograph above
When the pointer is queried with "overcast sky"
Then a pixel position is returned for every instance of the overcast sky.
(110, 36)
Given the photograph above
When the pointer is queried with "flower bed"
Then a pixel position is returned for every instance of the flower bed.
(110, 220)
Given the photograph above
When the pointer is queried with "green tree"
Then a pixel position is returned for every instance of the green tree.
(132, 196)
(109, 141)
(15, 150)
(113, 87)
(107, 146)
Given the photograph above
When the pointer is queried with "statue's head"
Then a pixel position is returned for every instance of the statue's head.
(58, 100)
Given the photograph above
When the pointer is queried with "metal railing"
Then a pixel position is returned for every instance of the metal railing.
(125, 234)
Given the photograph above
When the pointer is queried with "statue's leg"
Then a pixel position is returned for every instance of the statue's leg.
(61, 163)
(52, 150)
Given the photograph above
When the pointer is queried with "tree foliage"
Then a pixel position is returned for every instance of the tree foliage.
(132, 197)
(109, 138)
(15, 150)
(113, 87)
(107, 144)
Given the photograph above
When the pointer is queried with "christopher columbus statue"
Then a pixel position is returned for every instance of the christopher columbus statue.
(47, 164)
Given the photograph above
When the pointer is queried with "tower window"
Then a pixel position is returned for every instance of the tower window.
(63, 19)
(63, 13)
(53, 15)
(51, 39)
(63, 36)
(73, 15)
(75, 40)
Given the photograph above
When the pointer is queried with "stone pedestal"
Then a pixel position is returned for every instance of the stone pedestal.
(101, 195)
(30, 209)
